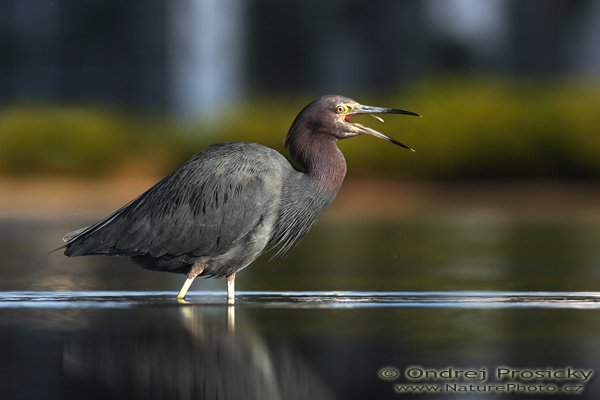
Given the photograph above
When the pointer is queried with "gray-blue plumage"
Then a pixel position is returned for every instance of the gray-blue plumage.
(220, 208)
(219, 211)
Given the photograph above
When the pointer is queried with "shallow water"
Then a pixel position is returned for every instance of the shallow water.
(475, 295)
(332, 300)
(274, 345)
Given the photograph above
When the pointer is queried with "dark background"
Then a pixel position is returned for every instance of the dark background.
(509, 89)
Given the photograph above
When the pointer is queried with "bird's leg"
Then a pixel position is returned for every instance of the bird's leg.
(185, 287)
(231, 288)
(196, 270)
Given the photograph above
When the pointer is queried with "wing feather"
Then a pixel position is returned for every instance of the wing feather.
(202, 208)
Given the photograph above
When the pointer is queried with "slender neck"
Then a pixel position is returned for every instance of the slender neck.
(317, 153)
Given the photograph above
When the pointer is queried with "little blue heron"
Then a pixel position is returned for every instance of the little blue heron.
(219, 211)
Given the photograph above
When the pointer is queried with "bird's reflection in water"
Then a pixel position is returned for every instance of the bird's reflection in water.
(206, 356)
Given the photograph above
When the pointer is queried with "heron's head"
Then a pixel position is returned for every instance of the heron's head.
(332, 115)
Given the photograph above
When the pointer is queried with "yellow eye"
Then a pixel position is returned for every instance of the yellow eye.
(340, 109)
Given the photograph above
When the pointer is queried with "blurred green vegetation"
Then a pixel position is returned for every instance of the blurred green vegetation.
(470, 129)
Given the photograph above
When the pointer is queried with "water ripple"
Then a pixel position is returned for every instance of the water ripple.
(448, 299)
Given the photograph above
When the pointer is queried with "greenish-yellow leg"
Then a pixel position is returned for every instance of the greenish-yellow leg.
(231, 288)
(194, 272)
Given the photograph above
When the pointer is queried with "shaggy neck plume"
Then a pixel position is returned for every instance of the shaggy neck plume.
(317, 153)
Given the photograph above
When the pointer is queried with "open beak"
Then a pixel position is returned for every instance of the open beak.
(361, 129)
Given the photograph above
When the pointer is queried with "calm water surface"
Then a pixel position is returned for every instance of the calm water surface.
(319, 324)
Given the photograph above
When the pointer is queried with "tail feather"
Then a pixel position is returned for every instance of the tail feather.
(69, 237)
(81, 241)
